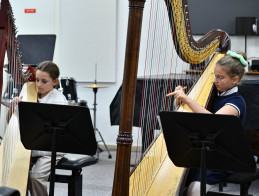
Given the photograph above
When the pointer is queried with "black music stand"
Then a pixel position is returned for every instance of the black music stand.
(56, 128)
(206, 141)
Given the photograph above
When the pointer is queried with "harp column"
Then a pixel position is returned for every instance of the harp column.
(3, 24)
(124, 140)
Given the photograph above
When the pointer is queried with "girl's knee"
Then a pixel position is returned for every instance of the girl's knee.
(194, 189)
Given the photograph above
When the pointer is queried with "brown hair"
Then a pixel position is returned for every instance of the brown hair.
(232, 65)
(50, 68)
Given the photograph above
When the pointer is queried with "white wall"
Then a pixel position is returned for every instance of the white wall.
(42, 22)
(87, 39)
(86, 34)
(105, 95)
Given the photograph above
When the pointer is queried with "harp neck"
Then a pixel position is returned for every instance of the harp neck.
(10, 45)
(187, 48)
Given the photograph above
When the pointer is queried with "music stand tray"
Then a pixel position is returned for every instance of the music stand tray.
(206, 141)
(56, 128)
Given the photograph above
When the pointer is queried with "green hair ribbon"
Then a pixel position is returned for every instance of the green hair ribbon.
(238, 56)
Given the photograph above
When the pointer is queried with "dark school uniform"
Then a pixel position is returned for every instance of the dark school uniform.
(233, 98)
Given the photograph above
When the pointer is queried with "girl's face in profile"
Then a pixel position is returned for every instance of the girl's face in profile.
(222, 80)
(44, 83)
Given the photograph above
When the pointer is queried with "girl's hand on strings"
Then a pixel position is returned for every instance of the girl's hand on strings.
(16, 100)
(13, 107)
(179, 93)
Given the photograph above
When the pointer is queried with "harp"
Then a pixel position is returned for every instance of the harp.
(154, 173)
(14, 158)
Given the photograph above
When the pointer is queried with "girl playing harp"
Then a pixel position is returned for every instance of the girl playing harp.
(47, 74)
(228, 72)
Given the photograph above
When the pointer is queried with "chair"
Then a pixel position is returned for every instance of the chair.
(6, 191)
(243, 179)
(75, 163)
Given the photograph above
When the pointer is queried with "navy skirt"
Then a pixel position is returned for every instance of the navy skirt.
(212, 176)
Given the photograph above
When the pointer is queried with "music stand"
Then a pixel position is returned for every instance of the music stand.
(36, 48)
(206, 141)
(56, 128)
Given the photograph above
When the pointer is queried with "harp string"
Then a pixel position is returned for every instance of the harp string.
(14, 79)
(8, 149)
(137, 186)
(158, 76)
(154, 67)
(13, 65)
(152, 85)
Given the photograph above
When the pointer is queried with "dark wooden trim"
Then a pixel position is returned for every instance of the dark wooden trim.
(124, 140)
(3, 31)
(252, 73)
